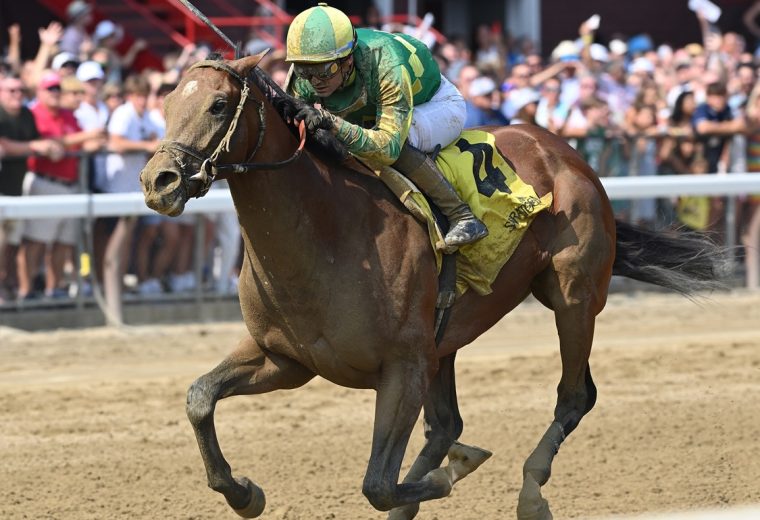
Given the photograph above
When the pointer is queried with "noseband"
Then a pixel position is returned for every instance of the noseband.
(209, 169)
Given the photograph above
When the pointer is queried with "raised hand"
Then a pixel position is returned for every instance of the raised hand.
(51, 34)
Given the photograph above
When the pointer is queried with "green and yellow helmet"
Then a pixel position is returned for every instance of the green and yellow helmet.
(320, 34)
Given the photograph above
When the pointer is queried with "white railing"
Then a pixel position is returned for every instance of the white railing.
(100, 205)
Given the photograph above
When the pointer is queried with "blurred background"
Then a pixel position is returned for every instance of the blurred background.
(641, 90)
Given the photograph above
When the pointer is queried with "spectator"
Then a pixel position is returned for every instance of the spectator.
(713, 122)
(750, 211)
(106, 37)
(79, 14)
(72, 92)
(153, 263)
(92, 114)
(593, 146)
(48, 177)
(550, 112)
(466, 76)
(678, 148)
(482, 102)
(65, 64)
(524, 102)
(576, 124)
(131, 137)
(18, 138)
(113, 96)
(641, 131)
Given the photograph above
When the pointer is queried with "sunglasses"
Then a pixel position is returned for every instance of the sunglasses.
(321, 71)
(54, 88)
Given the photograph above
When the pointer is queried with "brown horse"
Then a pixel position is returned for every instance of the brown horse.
(339, 281)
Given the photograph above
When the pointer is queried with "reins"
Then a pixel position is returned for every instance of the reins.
(209, 170)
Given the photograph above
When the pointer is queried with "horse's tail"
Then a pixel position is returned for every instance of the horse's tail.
(686, 262)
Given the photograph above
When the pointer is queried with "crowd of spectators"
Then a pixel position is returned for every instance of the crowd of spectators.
(629, 106)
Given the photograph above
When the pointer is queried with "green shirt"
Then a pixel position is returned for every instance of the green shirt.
(392, 74)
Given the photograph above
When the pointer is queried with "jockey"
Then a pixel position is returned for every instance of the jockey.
(384, 97)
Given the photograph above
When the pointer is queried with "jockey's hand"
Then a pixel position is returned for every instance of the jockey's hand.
(315, 118)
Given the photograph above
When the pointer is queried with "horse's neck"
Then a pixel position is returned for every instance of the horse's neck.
(292, 215)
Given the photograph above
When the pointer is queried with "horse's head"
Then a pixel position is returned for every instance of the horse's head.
(206, 124)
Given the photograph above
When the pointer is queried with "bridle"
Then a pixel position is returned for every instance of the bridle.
(210, 170)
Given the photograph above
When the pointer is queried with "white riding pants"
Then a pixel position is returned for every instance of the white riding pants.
(440, 120)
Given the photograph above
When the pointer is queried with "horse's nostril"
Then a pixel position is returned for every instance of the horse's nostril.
(165, 179)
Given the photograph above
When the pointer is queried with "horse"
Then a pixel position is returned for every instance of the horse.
(340, 281)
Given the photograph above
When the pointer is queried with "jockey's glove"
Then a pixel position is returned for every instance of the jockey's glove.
(315, 118)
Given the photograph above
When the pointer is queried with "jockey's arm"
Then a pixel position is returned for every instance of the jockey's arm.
(382, 143)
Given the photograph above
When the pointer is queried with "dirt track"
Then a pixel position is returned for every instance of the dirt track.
(93, 422)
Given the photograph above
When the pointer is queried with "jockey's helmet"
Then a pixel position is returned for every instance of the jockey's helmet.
(320, 34)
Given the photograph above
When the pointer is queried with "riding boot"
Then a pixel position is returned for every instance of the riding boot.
(464, 227)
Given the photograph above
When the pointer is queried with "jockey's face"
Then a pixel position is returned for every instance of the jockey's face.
(326, 84)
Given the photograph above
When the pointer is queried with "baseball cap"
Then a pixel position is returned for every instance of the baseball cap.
(482, 86)
(640, 43)
(566, 50)
(50, 79)
(641, 64)
(618, 46)
(77, 9)
(63, 58)
(520, 98)
(90, 70)
(599, 52)
(104, 29)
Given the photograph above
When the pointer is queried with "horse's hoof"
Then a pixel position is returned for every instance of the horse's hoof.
(404, 513)
(464, 459)
(531, 505)
(256, 503)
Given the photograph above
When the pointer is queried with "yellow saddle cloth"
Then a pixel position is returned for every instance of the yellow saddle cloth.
(497, 196)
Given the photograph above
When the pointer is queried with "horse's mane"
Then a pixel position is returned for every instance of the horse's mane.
(321, 142)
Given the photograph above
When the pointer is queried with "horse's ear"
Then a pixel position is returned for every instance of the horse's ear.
(247, 63)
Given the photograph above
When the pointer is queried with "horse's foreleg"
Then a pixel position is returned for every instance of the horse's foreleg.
(399, 400)
(248, 370)
(443, 426)
(576, 397)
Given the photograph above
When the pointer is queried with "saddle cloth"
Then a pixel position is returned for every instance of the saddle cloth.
(497, 196)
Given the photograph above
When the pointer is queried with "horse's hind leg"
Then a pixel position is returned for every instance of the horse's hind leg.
(576, 396)
(248, 370)
(443, 426)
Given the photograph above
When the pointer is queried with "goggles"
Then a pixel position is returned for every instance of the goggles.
(321, 71)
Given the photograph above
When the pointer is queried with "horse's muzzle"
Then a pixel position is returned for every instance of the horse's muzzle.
(163, 191)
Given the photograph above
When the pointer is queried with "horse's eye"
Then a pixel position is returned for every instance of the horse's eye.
(218, 106)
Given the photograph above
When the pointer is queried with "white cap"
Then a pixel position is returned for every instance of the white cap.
(520, 98)
(105, 29)
(599, 52)
(90, 70)
(62, 58)
(482, 86)
(618, 47)
(566, 50)
(641, 64)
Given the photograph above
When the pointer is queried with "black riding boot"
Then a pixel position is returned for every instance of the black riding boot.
(464, 227)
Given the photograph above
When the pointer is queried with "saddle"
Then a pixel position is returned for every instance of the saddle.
(496, 194)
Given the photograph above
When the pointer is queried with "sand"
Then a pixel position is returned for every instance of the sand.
(94, 427)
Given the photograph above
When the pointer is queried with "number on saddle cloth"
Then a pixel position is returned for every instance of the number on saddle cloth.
(495, 179)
